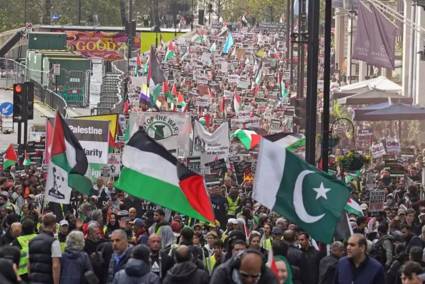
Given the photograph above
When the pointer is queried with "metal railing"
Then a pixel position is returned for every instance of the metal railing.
(12, 72)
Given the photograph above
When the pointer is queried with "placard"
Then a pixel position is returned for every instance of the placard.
(377, 150)
(376, 201)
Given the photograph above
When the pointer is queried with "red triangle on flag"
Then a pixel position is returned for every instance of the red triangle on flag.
(10, 154)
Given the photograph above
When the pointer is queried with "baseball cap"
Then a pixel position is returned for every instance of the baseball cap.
(364, 206)
(63, 223)
(138, 222)
(277, 231)
(232, 221)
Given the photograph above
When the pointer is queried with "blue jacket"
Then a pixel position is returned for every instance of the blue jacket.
(369, 272)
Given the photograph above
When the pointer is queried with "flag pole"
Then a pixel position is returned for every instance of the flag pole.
(326, 87)
(311, 100)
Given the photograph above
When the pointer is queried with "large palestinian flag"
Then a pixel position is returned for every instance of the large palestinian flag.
(67, 166)
(150, 172)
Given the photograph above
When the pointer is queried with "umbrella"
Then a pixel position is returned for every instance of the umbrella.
(374, 96)
(380, 83)
(393, 112)
(358, 113)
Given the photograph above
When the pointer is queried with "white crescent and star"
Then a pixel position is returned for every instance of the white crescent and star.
(298, 200)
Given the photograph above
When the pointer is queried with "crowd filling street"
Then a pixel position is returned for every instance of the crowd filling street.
(235, 77)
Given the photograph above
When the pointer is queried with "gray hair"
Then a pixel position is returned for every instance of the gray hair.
(75, 241)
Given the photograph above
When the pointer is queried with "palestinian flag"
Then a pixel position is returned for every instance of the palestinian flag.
(248, 138)
(68, 164)
(259, 74)
(151, 173)
(10, 157)
(166, 92)
(112, 145)
(170, 54)
(174, 90)
(353, 207)
(293, 142)
(27, 160)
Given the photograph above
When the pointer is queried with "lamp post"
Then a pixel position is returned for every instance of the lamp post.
(326, 87)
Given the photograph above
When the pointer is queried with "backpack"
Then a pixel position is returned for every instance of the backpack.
(378, 251)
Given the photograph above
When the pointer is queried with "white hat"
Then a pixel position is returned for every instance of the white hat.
(232, 221)
(64, 223)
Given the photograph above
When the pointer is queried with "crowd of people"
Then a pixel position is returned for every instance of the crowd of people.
(112, 237)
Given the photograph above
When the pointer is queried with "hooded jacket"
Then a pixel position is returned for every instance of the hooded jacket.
(136, 272)
(186, 272)
(73, 266)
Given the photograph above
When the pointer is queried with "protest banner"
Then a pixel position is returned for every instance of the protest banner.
(170, 129)
(376, 200)
(211, 146)
(377, 150)
(393, 146)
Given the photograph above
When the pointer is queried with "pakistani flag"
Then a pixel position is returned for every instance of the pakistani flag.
(298, 191)
(67, 166)
(152, 173)
(10, 158)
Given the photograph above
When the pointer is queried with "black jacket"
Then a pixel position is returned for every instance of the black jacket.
(40, 258)
(186, 272)
(160, 264)
(223, 274)
(121, 264)
(311, 264)
(327, 268)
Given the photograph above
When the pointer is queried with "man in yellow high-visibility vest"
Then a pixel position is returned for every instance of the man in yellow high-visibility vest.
(22, 242)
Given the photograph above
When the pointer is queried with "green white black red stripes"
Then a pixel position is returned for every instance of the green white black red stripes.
(150, 172)
(248, 138)
(10, 158)
(67, 165)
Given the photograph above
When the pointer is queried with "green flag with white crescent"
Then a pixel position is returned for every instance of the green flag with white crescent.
(298, 191)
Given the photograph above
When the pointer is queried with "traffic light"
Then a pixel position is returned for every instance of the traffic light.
(23, 101)
(18, 102)
(29, 90)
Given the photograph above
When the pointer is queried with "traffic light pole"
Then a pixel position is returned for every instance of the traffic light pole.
(25, 134)
(19, 133)
(326, 86)
(311, 101)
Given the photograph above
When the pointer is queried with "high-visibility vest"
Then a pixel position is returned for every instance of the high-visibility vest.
(267, 244)
(210, 263)
(62, 246)
(233, 205)
(24, 243)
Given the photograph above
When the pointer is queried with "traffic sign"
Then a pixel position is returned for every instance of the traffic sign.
(6, 108)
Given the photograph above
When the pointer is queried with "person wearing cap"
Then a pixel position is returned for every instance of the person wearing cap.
(140, 235)
(63, 233)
